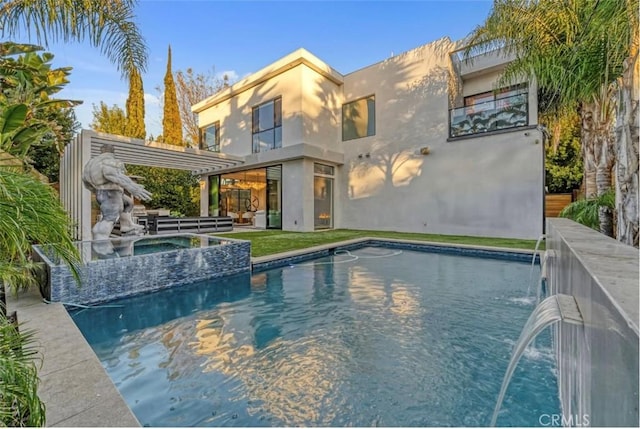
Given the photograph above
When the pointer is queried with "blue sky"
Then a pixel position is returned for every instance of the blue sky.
(240, 37)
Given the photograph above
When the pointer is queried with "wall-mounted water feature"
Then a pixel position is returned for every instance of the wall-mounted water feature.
(598, 362)
(556, 308)
(533, 262)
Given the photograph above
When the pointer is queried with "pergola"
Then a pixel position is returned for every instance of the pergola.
(76, 199)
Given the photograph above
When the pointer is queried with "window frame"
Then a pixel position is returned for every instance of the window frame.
(344, 105)
(277, 124)
(202, 143)
(495, 95)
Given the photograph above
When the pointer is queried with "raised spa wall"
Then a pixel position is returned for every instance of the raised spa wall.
(598, 361)
(107, 279)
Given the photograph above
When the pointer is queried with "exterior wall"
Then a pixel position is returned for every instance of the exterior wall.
(598, 361)
(482, 186)
(297, 195)
(234, 114)
(322, 110)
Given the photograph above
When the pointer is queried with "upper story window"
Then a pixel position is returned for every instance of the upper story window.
(485, 98)
(491, 111)
(359, 118)
(210, 137)
(323, 169)
(267, 126)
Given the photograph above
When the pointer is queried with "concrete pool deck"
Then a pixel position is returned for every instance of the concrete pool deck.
(74, 385)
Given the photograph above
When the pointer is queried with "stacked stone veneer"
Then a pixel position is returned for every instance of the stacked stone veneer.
(597, 362)
(108, 279)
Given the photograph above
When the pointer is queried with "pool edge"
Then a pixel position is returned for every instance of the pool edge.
(276, 260)
(74, 386)
(110, 409)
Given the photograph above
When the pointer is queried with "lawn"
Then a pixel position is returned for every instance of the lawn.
(269, 242)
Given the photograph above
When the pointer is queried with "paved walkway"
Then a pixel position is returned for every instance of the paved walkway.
(74, 386)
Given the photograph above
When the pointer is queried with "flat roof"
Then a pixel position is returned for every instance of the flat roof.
(155, 154)
(300, 56)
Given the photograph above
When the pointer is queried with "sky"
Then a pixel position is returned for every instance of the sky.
(240, 37)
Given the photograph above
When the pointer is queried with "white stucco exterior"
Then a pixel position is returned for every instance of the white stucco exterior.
(487, 184)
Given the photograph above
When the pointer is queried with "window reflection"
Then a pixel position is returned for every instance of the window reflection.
(267, 126)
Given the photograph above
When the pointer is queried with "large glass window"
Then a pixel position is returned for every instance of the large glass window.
(359, 118)
(322, 196)
(210, 137)
(252, 197)
(274, 197)
(267, 126)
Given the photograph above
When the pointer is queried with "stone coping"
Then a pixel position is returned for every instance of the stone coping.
(614, 266)
(280, 259)
(74, 386)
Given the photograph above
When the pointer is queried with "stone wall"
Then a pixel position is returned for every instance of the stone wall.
(107, 279)
(597, 362)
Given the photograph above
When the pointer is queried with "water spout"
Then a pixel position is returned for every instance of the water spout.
(553, 309)
(533, 262)
(543, 276)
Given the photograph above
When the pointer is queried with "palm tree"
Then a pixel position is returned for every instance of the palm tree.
(575, 50)
(627, 133)
(108, 25)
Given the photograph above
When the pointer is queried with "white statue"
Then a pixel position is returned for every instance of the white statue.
(105, 176)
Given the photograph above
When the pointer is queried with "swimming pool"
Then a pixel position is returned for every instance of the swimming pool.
(370, 337)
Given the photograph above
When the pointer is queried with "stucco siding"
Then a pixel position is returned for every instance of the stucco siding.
(234, 114)
(488, 185)
(321, 110)
(481, 185)
(294, 190)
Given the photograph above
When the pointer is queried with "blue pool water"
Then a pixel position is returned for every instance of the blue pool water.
(377, 337)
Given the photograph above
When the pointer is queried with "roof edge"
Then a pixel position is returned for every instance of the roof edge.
(296, 58)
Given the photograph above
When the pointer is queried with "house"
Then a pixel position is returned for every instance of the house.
(419, 142)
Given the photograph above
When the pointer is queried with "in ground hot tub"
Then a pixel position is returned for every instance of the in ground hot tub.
(128, 266)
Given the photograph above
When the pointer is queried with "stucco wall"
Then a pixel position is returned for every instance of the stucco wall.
(483, 186)
(489, 185)
(322, 110)
(234, 114)
(292, 191)
(598, 361)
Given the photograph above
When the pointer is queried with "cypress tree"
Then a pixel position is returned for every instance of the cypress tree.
(135, 107)
(171, 123)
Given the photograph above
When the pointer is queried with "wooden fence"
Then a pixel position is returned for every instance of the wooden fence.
(554, 203)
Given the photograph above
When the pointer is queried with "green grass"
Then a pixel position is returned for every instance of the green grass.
(275, 241)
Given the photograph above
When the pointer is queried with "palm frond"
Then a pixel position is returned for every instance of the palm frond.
(30, 213)
(108, 25)
(585, 210)
(20, 405)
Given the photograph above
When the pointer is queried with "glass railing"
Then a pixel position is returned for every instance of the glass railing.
(499, 114)
(477, 50)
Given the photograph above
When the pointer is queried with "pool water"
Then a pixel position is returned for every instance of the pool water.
(371, 337)
(135, 246)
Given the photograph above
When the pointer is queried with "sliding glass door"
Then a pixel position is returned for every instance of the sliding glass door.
(274, 197)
